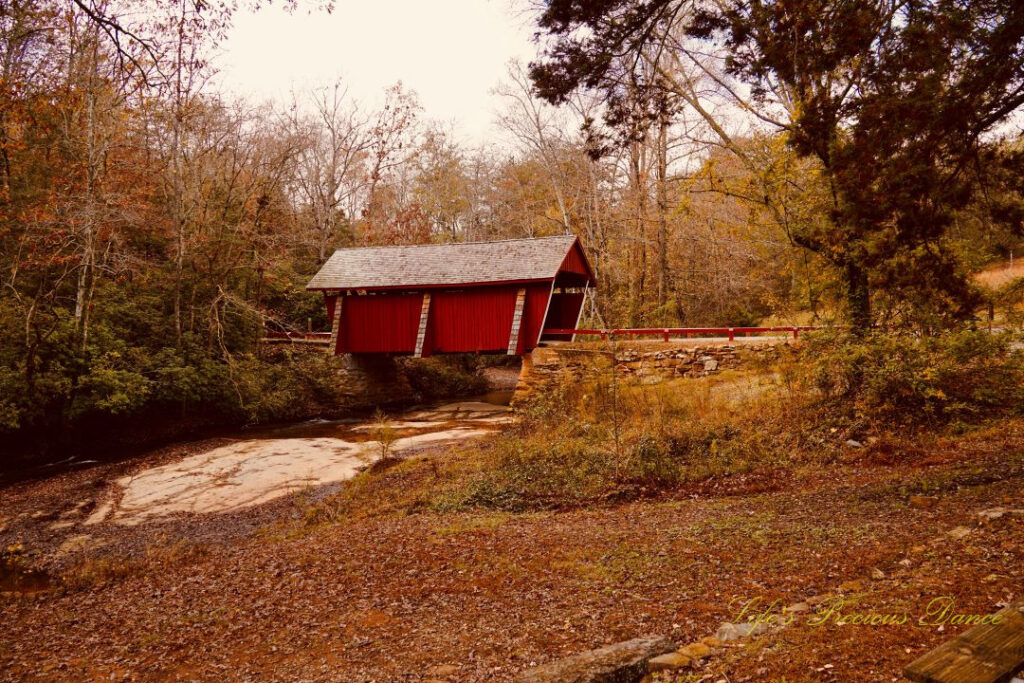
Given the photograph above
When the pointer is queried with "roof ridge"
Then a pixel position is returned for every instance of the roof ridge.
(456, 244)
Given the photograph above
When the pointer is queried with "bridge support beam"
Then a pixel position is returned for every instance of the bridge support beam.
(336, 325)
(421, 334)
(517, 322)
(579, 314)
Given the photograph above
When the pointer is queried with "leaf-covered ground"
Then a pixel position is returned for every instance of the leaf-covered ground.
(258, 595)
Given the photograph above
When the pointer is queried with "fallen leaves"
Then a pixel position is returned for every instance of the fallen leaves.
(400, 596)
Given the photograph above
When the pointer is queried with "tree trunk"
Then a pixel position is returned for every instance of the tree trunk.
(858, 295)
(662, 201)
(638, 246)
(5, 161)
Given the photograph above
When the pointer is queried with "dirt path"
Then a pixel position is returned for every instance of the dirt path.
(999, 274)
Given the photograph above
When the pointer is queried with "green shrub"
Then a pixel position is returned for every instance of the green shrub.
(653, 463)
(906, 380)
(524, 474)
(444, 376)
(294, 385)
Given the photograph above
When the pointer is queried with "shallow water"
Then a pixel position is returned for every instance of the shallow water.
(499, 397)
(422, 419)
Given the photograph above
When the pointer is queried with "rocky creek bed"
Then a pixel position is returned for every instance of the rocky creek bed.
(213, 489)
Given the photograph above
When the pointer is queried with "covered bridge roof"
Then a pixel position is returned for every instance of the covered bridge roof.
(460, 263)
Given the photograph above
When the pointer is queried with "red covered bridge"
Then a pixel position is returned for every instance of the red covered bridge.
(483, 297)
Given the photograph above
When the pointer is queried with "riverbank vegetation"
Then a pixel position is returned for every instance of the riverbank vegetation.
(879, 400)
(392, 589)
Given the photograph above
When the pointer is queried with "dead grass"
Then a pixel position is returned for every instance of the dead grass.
(606, 440)
(600, 442)
(95, 570)
(591, 443)
(1001, 273)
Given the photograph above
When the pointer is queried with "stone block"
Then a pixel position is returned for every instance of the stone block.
(672, 660)
(625, 662)
(695, 650)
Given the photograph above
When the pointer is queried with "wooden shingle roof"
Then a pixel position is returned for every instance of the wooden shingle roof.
(441, 265)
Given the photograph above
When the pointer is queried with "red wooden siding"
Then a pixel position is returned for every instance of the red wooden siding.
(381, 323)
(329, 300)
(475, 320)
(562, 314)
(575, 262)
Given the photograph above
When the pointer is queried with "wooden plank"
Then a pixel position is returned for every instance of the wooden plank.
(421, 334)
(579, 315)
(336, 325)
(987, 653)
(547, 309)
(517, 322)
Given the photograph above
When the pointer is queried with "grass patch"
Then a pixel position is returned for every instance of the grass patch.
(606, 441)
(464, 525)
(569, 450)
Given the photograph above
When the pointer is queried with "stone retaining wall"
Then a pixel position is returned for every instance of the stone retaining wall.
(367, 381)
(649, 363)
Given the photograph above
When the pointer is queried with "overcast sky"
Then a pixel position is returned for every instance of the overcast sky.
(451, 52)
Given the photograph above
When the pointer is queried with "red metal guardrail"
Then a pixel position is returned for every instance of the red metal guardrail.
(275, 335)
(665, 332)
(686, 332)
(297, 335)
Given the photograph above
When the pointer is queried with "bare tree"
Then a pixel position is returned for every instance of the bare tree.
(390, 143)
(539, 129)
(331, 165)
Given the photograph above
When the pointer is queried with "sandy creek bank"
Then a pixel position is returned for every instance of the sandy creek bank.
(217, 489)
